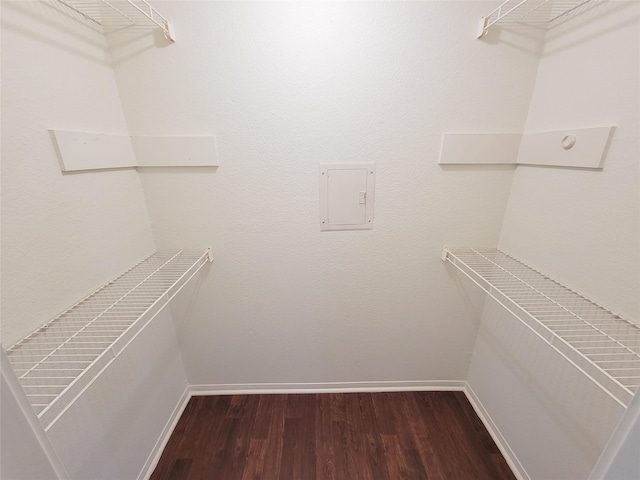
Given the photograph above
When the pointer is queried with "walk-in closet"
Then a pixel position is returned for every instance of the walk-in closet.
(284, 210)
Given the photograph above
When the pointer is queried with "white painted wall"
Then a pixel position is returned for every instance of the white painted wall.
(65, 235)
(112, 429)
(554, 420)
(285, 87)
(583, 227)
(21, 455)
(619, 460)
(62, 235)
(580, 227)
(25, 452)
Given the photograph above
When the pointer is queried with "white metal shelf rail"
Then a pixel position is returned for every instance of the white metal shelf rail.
(599, 343)
(114, 14)
(542, 13)
(59, 360)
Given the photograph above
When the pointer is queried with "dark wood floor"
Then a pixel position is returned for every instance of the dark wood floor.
(350, 436)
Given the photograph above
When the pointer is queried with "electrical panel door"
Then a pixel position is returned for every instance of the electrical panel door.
(347, 196)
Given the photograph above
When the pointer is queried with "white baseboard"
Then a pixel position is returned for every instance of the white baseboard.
(158, 448)
(492, 428)
(329, 387)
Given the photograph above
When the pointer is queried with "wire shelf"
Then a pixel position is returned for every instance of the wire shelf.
(599, 343)
(111, 15)
(541, 13)
(60, 359)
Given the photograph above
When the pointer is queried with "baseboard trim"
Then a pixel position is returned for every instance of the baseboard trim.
(330, 387)
(158, 448)
(492, 428)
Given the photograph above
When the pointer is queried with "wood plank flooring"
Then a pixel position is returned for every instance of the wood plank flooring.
(348, 436)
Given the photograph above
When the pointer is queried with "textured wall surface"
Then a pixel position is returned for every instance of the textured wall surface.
(22, 457)
(580, 227)
(62, 235)
(583, 227)
(113, 427)
(554, 419)
(65, 235)
(620, 457)
(284, 87)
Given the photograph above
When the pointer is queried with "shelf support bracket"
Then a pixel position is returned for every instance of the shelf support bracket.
(482, 27)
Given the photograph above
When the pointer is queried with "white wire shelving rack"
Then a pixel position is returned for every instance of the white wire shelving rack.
(540, 13)
(59, 360)
(111, 15)
(600, 344)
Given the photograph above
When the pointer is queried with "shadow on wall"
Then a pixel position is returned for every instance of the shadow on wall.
(182, 305)
(531, 39)
(467, 292)
(596, 11)
(574, 403)
(143, 39)
(80, 30)
(150, 369)
(54, 15)
(527, 39)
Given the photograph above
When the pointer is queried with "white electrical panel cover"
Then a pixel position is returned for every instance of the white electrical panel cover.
(347, 196)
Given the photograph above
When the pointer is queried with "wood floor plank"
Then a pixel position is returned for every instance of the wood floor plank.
(373, 441)
(430, 460)
(180, 469)
(409, 444)
(384, 411)
(260, 428)
(242, 409)
(254, 465)
(273, 456)
(325, 453)
(308, 437)
(290, 465)
(211, 464)
(355, 436)
(338, 434)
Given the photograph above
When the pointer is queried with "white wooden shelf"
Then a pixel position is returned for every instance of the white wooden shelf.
(539, 13)
(570, 148)
(600, 344)
(111, 15)
(82, 151)
(60, 359)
